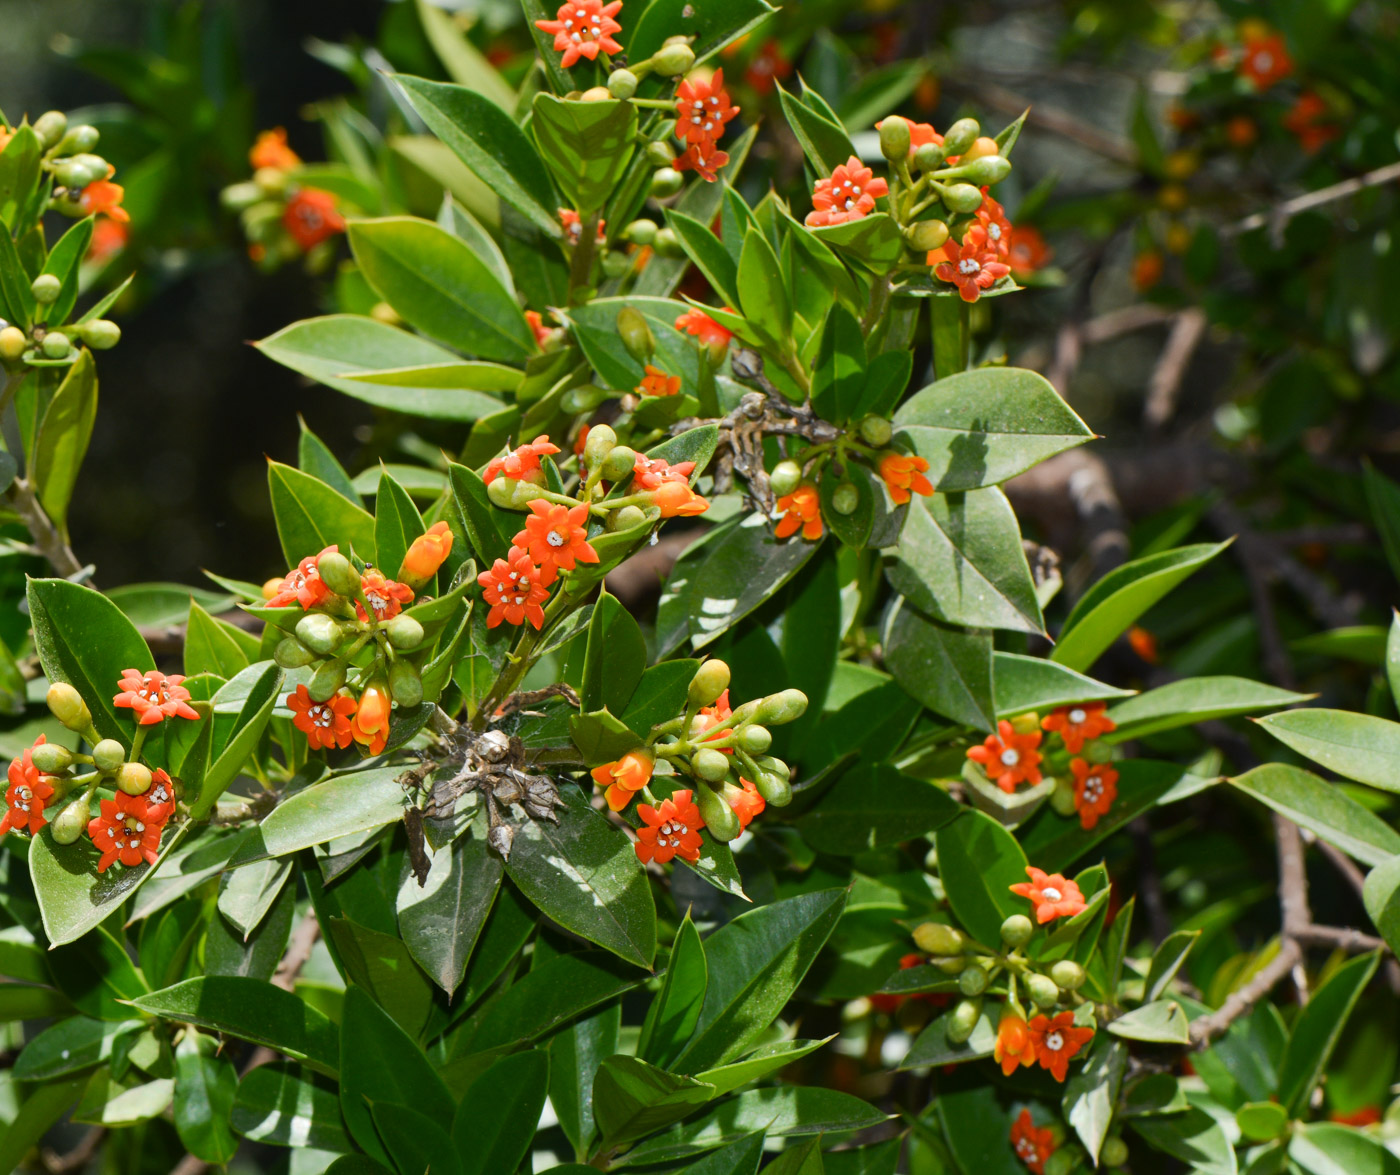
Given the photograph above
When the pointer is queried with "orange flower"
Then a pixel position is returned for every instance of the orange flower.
(514, 590)
(801, 508)
(159, 797)
(1265, 60)
(622, 779)
(704, 158)
(903, 474)
(1076, 725)
(522, 462)
(271, 150)
(1013, 1046)
(1028, 251)
(848, 194)
(385, 597)
(583, 29)
(702, 109)
(745, 801)
(673, 830)
(652, 475)
(1095, 789)
(27, 794)
(573, 226)
(125, 832)
(657, 383)
(1241, 131)
(556, 537)
(427, 553)
(370, 725)
(153, 696)
(1032, 1144)
(992, 227)
(103, 196)
(109, 237)
(677, 498)
(770, 64)
(1053, 895)
(704, 328)
(5, 137)
(544, 335)
(1009, 758)
(1365, 1116)
(311, 217)
(325, 724)
(973, 270)
(1056, 1040)
(1143, 643)
(1306, 121)
(303, 584)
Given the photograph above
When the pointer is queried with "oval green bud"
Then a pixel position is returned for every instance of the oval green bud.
(667, 244)
(846, 499)
(787, 706)
(328, 678)
(962, 1020)
(67, 705)
(786, 477)
(1068, 975)
(584, 398)
(622, 83)
(755, 739)
(51, 126)
(660, 154)
(72, 174)
(12, 343)
(89, 169)
(641, 232)
(626, 518)
(1114, 1152)
(404, 632)
(619, 463)
(46, 288)
(1062, 1162)
(960, 136)
(635, 334)
(320, 633)
(719, 817)
(710, 680)
(1062, 798)
(929, 157)
(134, 778)
(595, 94)
(950, 964)
(926, 235)
(102, 334)
(405, 684)
(56, 345)
(938, 938)
(339, 575)
(52, 758)
(79, 140)
(601, 440)
(666, 181)
(876, 430)
(290, 653)
(972, 980)
(616, 264)
(709, 764)
(990, 169)
(511, 493)
(775, 789)
(673, 58)
(1042, 990)
(769, 763)
(962, 197)
(72, 822)
(894, 138)
(1016, 931)
(108, 756)
(237, 197)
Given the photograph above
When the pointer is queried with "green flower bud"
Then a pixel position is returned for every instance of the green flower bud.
(79, 140)
(962, 197)
(673, 59)
(709, 764)
(926, 235)
(46, 288)
(769, 763)
(271, 180)
(960, 136)
(846, 498)
(660, 154)
(81, 170)
(328, 678)
(583, 398)
(666, 181)
(404, 632)
(775, 789)
(626, 518)
(981, 149)
(622, 83)
(635, 334)
(290, 653)
(962, 1020)
(596, 94)
(56, 345)
(929, 157)
(710, 680)
(1042, 990)
(719, 817)
(787, 706)
(1097, 751)
(641, 232)
(619, 463)
(101, 334)
(12, 343)
(108, 756)
(1114, 1152)
(52, 758)
(511, 493)
(67, 705)
(894, 138)
(991, 169)
(616, 264)
(320, 633)
(938, 938)
(950, 964)
(972, 980)
(786, 477)
(237, 197)
(405, 684)
(72, 822)
(1062, 798)
(755, 739)
(134, 778)
(1016, 931)
(339, 575)
(1068, 975)
(51, 126)
(1062, 1162)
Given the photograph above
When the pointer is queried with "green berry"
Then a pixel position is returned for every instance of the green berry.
(626, 518)
(12, 343)
(786, 477)
(929, 157)
(79, 140)
(894, 138)
(962, 1020)
(320, 633)
(622, 83)
(972, 980)
(52, 758)
(339, 574)
(108, 756)
(775, 789)
(51, 126)
(1043, 991)
(962, 197)
(635, 333)
(990, 169)
(665, 181)
(786, 706)
(926, 235)
(719, 817)
(101, 334)
(72, 822)
(510, 493)
(1114, 1152)
(1068, 975)
(876, 430)
(659, 154)
(641, 232)
(619, 463)
(405, 683)
(846, 499)
(960, 136)
(674, 58)
(328, 678)
(67, 705)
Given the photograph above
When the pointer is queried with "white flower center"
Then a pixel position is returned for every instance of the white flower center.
(1054, 1042)
(1010, 757)
(994, 231)
(1093, 789)
(969, 267)
(1026, 1149)
(1076, 717)
(1050, 894)
(1263, 61)
(554, 538)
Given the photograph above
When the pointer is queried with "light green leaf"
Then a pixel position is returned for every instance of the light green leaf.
(1322, 807)
(1359, 746)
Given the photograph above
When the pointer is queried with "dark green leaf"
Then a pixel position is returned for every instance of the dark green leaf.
(979, 861)
(875, 807)
(1317, 1030)
(205, 1085)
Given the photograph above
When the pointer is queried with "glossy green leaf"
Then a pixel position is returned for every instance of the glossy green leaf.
(69, 1046)
(763, 294)
(315, 457)
(1091, 1095)
(765, 1059)
(675, 1009)
(615, 657)
(1359, 746)
(311, 516)
(594, 326)
(205, 1085)
(415, 1141)
(1318, 1028)
(1193, 700)
(1161, 1022)
(212, 646)
(824, 142)
(1193, 1137)
(713, 25)
(495, 1123)
(285, 1105)
(228, 952)
(948, 669)
(1325, 1148)
(708, 254)
(226, 759)
(441, 920)
(586, 146)
(575, 1052)
(341, 806)
(1024, 683)
(1322, 807)
(1382, 897)
(379, 964)
(63, 439)
(396, 524)
(632, 1099)
(875, 807)
(979, 861)
(97, 975)
(47, 1103)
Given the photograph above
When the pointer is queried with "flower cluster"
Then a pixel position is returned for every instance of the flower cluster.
(703, 110)
(583, 28)
(283, 218)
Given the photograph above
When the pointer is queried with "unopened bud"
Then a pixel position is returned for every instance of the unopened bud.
(1042, 990)
(80, 170)
(1114, 1152)
(775, 789)
(674, 58)
(962, 1020)
(962, 197)
(926, 235)
(659, 154)
(101, 334)
(619, 463)
(271, 587)
(51, 758)
(641, 232)
(46, 288)
(981, 149)
(320, 633)
(72, 822)
(938, 938)
(56, 345)
(635, 334)
(894, 138)
(272, 180)
(845, 499)
(596, 94)
(990, 169)
(12, 343)
(600, 442)
(709, 764)
(666, 181)
(786, 706)
(237, 197)
(583, 398)
(875, 430)
(950, 964)
(51, 127)
(928, 157)
(1062, 798)
(405, 685)
(134, 779)
(510, 493)
(79, 140)
(972, 980)
(755, 739)
(326, 681)
(339, 574)
(108, 756)
(710, 680)
(67, 705)
(1068, 975)
(626, 518)
(404, 632)
(1016, 931)
(616, 264)
(719, 817)
(769, 763)
(786, 477)
(1062, 1162)
(960, 136)
(290, 653)
(622, 83)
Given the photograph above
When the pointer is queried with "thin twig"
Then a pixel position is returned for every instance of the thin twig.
(1167, 377)
(1279, 215)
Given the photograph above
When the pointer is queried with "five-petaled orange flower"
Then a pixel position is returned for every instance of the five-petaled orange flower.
(649, 474)
(1055, 1040)
(623, 778)
(769, 64)
(745, 801)
(426, 554)
(849, 193)
(573, 226)
(974, 268)
(370, 725)
(311, 217)
(27, 794)
(992, 227)
(543, 334)
(704, 159)
(702, 109)
(325, 724)
(1053, 895)
(903, 474)
(109, 237)
(153, 696)
(657, 383)
(1013, 1046)
(704, 328)
(557, 538)
(513, 590)
(1009, 758)
(677, 498)
(271, 150)
(1307, 121)
(160, 797)
(104, 197)
(522, 461)
(1028, 252)
(673, 830)
(801, 509)
(125, 831)
(1265, 60)
(303, 584)
(1095, 789)
(385, 597)
(1076, 725)
(1032, 1144)
(582, 29)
